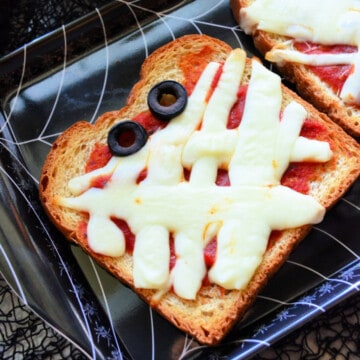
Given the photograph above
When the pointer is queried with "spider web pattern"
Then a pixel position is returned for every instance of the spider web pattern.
(45, 103)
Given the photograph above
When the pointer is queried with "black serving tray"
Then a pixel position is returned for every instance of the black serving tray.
(79, 72)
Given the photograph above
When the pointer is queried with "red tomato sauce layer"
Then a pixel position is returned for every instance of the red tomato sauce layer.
(210, 252)
(99, 157)
(237, 110)
(334, 75)
(100, 181)
(192, 66)
(128, 234)
(214, 82)
(172, 261)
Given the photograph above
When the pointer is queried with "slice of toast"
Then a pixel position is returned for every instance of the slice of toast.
(215, 309)
(309, 85)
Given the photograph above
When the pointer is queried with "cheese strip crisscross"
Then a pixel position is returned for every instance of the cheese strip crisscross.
(241, 215)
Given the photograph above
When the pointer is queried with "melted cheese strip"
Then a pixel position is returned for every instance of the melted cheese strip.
(241, 215)
(279, 54)
(327, 22)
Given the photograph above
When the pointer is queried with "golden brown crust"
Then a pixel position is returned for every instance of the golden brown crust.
(215, 310)
(309, 86)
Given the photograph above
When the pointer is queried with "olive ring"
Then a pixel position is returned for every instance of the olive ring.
(138, 132)
(176, 106)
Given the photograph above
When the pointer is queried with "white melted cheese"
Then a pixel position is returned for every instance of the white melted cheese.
(328, 22)
(241, 215)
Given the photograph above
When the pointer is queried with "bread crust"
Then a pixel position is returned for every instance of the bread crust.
(307, 84)
(215, 310)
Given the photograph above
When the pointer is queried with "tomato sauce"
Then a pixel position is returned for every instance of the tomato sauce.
(99, 157)
(214, 82)
(314, 130)
(237, 110)
(81, 231)
(128, 234)
(334, 75)
(142, 176)
(187, 174)
(100, 181)
(299, 175)
(210, 253)
(149, 122)
(172, 261)
(193, 65)
(222, 178)
(209, 259)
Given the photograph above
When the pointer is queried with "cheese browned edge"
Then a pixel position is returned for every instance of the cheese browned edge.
(215, 310)
(308, 85)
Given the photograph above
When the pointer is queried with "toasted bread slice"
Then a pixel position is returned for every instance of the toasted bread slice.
(215, 310)
(309, 85)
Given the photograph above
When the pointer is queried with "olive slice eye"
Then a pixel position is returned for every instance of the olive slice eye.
(167, 99)
(126, 138)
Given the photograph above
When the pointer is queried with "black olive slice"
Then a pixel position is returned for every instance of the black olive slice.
(167, 99)
(126, 138)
